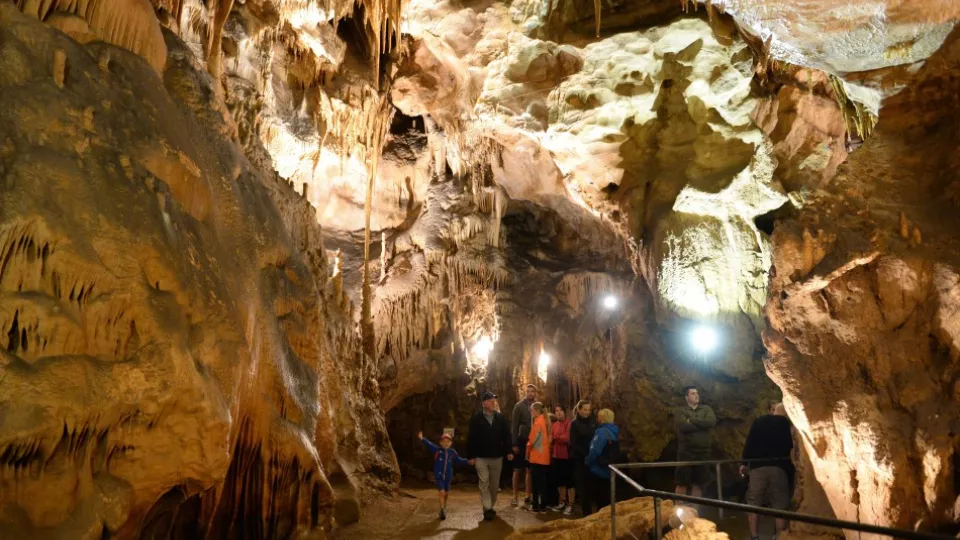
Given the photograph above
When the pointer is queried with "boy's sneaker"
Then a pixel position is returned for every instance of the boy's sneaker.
(558, 508)
(443, 514)
(568, 510)
(488, 515)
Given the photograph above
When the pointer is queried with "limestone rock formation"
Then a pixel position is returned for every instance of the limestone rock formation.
(634, 520)
(862, 334)
(184, 353)
(175, 359)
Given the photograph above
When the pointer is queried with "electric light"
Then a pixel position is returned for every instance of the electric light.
(481, 349)
(543, 365)
(703, 338)
(610, 301)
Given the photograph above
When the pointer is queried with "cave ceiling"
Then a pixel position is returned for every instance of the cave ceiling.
(268, 237)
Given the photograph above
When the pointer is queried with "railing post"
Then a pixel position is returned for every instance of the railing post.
(657, 526)
(720, 487)
(613, 503)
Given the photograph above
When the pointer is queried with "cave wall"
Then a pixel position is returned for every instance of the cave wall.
(862, 335)
(176, 360)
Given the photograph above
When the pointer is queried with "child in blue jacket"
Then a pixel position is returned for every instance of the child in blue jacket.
(444, 458)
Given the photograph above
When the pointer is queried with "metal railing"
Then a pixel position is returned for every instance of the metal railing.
(726, 505)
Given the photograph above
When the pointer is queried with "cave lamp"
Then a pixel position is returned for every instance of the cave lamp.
(481, 349)
(703, 339)
(543, 365)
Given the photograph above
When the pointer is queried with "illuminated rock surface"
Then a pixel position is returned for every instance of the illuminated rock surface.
(184, 352)
(863, 335)
(634, 519)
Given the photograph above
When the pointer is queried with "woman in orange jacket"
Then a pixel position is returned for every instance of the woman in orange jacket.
(538, 455)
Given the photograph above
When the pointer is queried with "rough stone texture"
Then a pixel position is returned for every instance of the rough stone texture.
(175, 360)
(557, 116)
(843, 37)
(178, 334)
(862, 314)
(634, 517)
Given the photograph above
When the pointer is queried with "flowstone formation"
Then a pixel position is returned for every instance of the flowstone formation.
(176, 361)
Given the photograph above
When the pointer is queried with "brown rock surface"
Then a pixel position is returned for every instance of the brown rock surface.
(634, 520)
(174, 359)
(862, 336)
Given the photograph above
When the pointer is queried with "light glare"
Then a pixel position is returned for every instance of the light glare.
(543, 365)
(481, 349)
(704, 339)
(610, 301)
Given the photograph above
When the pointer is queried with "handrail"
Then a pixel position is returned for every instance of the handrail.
(656, 464)
(781, 514)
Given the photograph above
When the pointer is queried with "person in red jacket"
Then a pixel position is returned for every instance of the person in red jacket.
(538, 454)
(561, 467)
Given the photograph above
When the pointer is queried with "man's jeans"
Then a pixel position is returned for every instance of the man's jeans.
(488, 469)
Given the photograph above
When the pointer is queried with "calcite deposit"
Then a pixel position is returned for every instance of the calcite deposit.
(249, 248)
(176, 358)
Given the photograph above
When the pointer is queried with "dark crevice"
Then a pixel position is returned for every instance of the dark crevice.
(13, 336)
(765, 222)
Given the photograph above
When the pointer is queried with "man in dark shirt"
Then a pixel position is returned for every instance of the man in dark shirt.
(770, 437)
(695, 423)
(522, 422)
(487, 442)
(581, 434)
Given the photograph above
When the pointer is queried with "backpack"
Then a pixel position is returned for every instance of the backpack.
(611, 455)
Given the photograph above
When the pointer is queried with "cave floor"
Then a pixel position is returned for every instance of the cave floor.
(412, 514)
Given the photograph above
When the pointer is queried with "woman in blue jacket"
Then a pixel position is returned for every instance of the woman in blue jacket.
(604, 448)
(444, 457)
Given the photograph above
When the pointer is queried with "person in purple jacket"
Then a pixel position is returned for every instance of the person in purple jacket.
(444, 457)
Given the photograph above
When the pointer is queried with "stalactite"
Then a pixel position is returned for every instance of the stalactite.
(374, 140)
(596, 14)
(499, 205)
(858, 119)
(125, 23)
(904, 226)
(366, 321)
(383, 256)
(59, 67)
(218, 18)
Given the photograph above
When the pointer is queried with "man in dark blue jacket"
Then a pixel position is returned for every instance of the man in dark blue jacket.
(488, 441)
